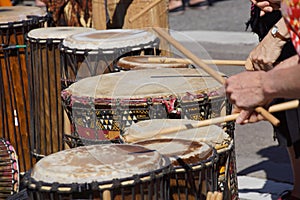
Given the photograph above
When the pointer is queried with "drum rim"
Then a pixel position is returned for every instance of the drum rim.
(126, 64)
(40, 17)
(24, 23)
(43, 186)
(34, 38)
(118, 51)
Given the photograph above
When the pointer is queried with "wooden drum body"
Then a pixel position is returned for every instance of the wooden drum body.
(107, 171)
(220, 138)
(45, 84)
(15, 23)
(89, 54)
(102, 106)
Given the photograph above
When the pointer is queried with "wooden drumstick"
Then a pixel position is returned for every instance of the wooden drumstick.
(188, 61)
(209, 70)
(209, 195)
(151, 5)
(275, 108)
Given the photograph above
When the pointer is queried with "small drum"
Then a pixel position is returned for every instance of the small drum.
(194, 166)
(45, 84)
(15, 23)
(101, 106)
(9, 170)
(94, 53)
(219, 138)
(149, 62)
(108, 171)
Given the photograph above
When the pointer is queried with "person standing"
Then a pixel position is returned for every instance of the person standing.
(275, 46)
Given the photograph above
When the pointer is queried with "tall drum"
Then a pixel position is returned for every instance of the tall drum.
(107, 172)
(101, 106)
(94, 53)
(15, 23)
(45, 84)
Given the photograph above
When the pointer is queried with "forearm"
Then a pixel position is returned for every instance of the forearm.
(282, 82)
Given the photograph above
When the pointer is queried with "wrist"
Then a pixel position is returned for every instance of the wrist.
(268, 84)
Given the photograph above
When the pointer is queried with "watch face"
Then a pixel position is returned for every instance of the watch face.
(274, 30)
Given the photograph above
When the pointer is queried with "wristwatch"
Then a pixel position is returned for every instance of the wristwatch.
(275, 33)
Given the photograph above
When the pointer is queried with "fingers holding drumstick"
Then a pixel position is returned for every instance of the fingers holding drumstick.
(209, 70)
(214, 195)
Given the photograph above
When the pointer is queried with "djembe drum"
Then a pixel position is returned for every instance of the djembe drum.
(107, 171)
(133, 14)
(220, 138)
(194, 166)
(15, 23)
(9, 170)
(94, 53)
(146, 62)
(45, 84)
(101, 106)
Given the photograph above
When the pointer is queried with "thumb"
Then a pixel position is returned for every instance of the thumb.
(248, 65)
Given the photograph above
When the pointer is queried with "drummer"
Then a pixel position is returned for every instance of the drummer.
(250, 89)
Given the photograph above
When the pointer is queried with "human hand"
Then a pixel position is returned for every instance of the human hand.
(246, 116)
(245, 90)
(263, 56)
(267, 5)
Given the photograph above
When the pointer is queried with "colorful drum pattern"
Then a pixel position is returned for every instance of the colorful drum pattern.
(101, 106)
(9, 170)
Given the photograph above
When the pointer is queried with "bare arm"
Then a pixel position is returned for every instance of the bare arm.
(263, 56)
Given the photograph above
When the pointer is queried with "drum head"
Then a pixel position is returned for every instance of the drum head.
(142, 62)
(108, 40)
(180, 151)
(99, 163)
(151, 129)
(184, 84)
(59, 33)
(19, 14)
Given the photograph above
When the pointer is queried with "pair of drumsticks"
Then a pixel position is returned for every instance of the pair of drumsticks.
(193, 58)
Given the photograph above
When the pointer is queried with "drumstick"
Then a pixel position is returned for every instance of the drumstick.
(275, 108)
(188, 61)
(151, 5)
(209, 70)
(209, 195)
